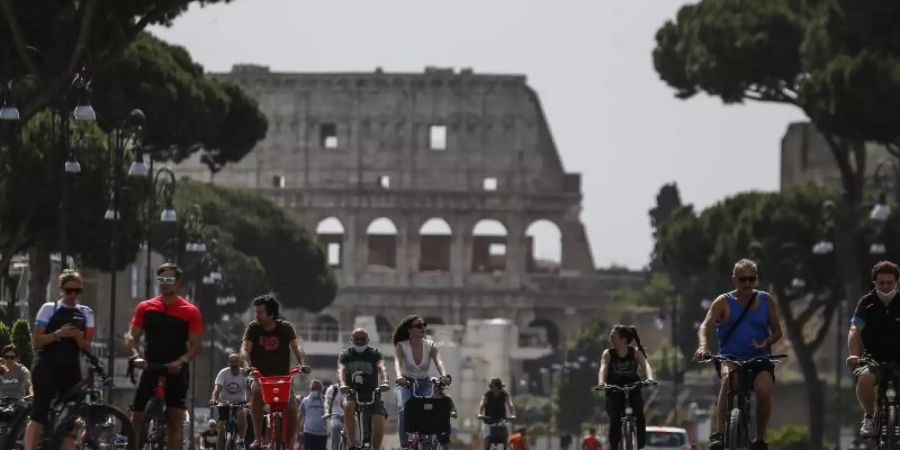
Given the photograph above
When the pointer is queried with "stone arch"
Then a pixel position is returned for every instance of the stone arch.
(435, 239)
(325, 328)
(540, 332)
(330, 232)
(489, 246)
(384, 329)
(543, 247)
(382, 244)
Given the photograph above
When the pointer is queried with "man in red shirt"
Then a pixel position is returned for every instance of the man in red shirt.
(518, 441)
(173, 331)
(591, 442)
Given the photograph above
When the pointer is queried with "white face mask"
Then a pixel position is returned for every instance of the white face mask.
(360, 348)
(886, 296)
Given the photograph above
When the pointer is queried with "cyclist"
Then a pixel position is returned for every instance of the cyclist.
(362, 365)
(413, 355)
(210, 437)
(268, 344)
(619, 365)
(172, 329)
(312, 423)
(873, 329)
(61, 329)
(747, 325)
(15, 382)
(230, 386)
(496, 405)
(590, 441)
(334, 404)
(519, 441)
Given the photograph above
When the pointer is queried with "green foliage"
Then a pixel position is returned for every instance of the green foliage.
(577, 402)
(5, 335)
(532, 409)
(789, 437)
(261, 248)
(21, 337)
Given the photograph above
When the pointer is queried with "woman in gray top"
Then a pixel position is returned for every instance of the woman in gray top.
(15, 381)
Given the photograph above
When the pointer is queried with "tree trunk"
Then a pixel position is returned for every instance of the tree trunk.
(814, 389)
(38, 276)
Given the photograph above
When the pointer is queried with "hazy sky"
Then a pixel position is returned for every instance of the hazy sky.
(590, 61)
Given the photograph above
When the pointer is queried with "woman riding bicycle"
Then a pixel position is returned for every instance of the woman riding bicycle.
(413, 355)
(619, 366)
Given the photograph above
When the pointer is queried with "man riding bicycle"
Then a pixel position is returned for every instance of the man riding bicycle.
(230, 387)
(173, 331)
(747, 326)
(361, 365)
(873, 329)
(268, 344)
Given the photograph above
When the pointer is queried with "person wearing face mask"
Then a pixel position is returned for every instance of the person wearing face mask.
(312, 422)
(230, 387)
(874, 333)
(359, 369)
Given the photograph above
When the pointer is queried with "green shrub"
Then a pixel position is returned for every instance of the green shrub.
(21, 337)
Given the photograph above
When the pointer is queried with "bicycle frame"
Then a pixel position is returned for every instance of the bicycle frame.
(363, 419)
(500, 423)
(629, 421)
(230, 423)
(430, 441)
(277, 391)
(888, 413)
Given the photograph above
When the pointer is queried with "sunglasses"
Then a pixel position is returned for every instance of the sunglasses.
(419, 325)
(166, 280)
(747, 279)
(72, 290)
(10, 357)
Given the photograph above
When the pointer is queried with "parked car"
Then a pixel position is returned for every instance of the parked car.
(667, 438)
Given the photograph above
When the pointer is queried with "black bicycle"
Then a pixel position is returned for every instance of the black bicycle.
(153, 428)
(226, 413)
(426, 418)
(80, 415)
(629, 420)
(887, 416)
(737, 428)
(497, 431)
(11, 409)
(363, 417)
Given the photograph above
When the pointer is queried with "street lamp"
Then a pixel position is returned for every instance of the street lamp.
(128, 133)
(168, 214)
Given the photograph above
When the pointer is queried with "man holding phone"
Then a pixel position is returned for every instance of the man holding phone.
(61, 329)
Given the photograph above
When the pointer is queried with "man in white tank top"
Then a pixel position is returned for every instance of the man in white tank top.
(413, 355)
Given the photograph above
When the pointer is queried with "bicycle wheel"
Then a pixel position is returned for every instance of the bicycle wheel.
(890, 439)
(629, 441)
(15, 440)
(95, 427)
(735, 434)
(277, 432)
(153, 431)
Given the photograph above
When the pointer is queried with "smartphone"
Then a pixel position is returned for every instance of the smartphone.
(78, 322)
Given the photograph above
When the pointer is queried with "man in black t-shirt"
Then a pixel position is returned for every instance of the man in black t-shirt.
(359, 367)
(268, 344)
(496, 405)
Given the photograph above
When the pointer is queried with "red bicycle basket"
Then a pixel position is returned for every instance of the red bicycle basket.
(276, 390)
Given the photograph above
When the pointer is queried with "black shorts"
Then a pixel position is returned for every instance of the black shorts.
(51, 379)
(376, 408)
(176, 389)
(755, 369)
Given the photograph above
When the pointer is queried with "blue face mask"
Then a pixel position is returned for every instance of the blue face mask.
(360, 348)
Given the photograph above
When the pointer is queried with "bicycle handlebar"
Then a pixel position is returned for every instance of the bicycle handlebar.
(741, 361)
(294, 370)
(627, 387)
(499, 421)
(96, 367)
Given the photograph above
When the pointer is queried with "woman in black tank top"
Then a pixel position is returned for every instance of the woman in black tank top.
(619, 366)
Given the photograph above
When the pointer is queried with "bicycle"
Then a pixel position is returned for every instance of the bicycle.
(277, 392)
(886, 415)
(10, 410)
(737, 427)
(153, 428)
(363, 419)
(498, 431)
(226, 412)
(427, 419)
(79, 414)
(629, 440)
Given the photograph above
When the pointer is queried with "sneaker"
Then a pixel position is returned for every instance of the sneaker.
(717, 441)
(759, 444)
(867, 427)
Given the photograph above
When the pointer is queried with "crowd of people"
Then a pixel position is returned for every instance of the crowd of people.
(165, 331)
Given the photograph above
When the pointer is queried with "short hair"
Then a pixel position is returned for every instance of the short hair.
(744, 263)
(68, 275)
(169, 266)
(10, 347)
(592, 430)
(270, 302)
(886, 267)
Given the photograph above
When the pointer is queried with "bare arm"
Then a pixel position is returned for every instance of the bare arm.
(195, 343)
(246, 348)
(713, 314)
(297, 349)
(509, 405)
(854, 340)
(643, 361)
(84, 340)
(132, 339)
(28, 387)
(382, 369)
(342, 374)
(438, 363)
(604, 368)
(398, 356)
(481, 406)
(774, 323)
(215, 393)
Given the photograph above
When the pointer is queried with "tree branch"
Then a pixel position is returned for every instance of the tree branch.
(807, 313)
(18, 38)
(893, 149)
(83, 34)
(823, 330)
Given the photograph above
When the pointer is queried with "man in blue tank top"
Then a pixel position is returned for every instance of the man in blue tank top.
(744, 338)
